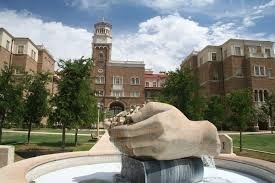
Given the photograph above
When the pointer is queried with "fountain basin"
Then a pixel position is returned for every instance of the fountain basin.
(103, 152)
(34, 168)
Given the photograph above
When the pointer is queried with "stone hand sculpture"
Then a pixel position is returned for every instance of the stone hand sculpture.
(160, 131)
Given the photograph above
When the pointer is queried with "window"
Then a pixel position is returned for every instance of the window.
(201, 60)
(99, 93)
(8, 45)
(260, 95)
(117, 80)
(215, 75)
(135, 81)
(20, 49)
(100, 80)
(259, 49)
(267, 52)
(238, 71)
(117, 93)
(101, 56)
(154, 84)
(213, 56)
(135, 94)
(269, 73)
(256, 95)
(259, 70)
(237, 50)
(262, 71)
(33, 54)
(252, 50)
(265, 94)
(225, 53)
(147, 84)
(261, 98)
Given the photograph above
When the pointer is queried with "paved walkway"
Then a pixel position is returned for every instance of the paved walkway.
(244, 133)
(49, 133)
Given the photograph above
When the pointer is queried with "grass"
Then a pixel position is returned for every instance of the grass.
(261, 142)
(44, 144)
(57, 130)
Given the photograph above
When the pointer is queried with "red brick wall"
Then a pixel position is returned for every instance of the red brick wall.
(4, 57)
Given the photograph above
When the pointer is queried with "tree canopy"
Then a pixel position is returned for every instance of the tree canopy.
(74, 103)
(181, 90)
(10, 97)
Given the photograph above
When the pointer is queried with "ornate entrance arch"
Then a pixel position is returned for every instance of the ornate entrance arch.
(116, 107)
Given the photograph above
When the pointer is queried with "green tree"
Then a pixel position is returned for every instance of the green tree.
(10, 97)
(269, 109)
(36, 100)
(241, 109)
(181, 90)
(216, 111)
(73, 105)
(86, 104)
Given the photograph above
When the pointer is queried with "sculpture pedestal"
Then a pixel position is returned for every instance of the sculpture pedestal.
(187, 170)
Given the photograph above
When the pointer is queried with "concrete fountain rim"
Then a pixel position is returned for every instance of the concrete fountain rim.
(103, 148)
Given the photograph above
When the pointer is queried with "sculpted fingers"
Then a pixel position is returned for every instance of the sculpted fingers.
(148, 126)
(150, 109)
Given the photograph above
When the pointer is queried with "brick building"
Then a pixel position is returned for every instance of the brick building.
(118, 85)
(153, 84)
(25, 55)
(236, 64)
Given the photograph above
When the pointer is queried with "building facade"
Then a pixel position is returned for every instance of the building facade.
(236, 64)
(153, 84)
(118, 85)
(25, 56)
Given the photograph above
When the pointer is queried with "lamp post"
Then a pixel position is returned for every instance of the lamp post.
(98, 113)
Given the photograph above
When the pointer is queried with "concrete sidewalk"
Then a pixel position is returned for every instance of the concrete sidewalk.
(245, 133)
(48, 133)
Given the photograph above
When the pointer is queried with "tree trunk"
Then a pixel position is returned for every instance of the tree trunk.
(63, 136)
(29, 131)
(241, 141)
(75, 137)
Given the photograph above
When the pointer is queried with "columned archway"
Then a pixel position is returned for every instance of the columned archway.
(116, 107)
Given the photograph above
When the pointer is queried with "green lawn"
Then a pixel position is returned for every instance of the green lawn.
(261, 142)
(44, 144)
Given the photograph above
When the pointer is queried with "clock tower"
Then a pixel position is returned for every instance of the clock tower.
(101, 55)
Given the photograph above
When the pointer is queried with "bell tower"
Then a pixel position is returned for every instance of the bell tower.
(101, 55)
(102, 42)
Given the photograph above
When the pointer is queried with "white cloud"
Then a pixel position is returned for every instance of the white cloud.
(162, 41)
(257, 12)
(61, 40)
(163, 5)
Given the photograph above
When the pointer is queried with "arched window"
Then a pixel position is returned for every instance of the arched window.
(101, 56)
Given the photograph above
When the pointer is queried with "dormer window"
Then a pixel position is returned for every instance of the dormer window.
(238, 50)
(267, 52)
(213, 56)
(20, 49)
(8, 45)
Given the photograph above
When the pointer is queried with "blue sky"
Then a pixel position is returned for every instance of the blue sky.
(159, 32)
